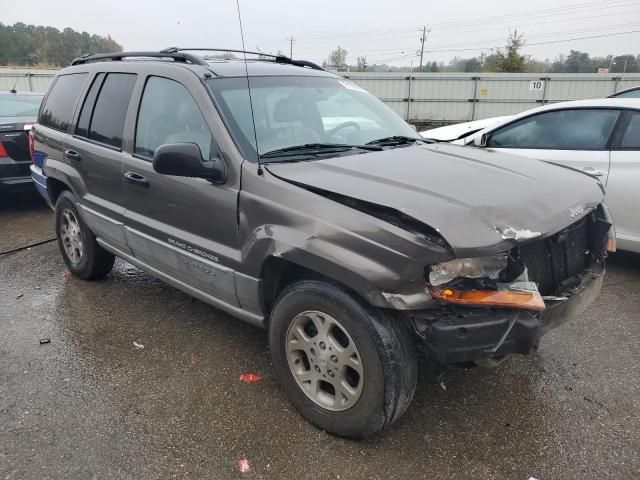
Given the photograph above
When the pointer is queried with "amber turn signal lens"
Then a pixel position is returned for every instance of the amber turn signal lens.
(611, 244)
(490, 298)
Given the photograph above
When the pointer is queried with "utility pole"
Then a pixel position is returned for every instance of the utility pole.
(423, 39)
(290, 47)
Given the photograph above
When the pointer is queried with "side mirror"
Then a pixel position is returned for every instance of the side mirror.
(185, 160)
(481, 140)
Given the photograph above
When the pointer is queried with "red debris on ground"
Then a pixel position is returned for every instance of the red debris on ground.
(243, 466)
(66, 274)
(250, 377)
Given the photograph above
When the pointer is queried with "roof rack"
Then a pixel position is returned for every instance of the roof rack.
(276, 58)
(175, 55)
(179, 55)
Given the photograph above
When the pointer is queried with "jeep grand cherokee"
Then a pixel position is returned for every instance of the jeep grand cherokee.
(291, 198)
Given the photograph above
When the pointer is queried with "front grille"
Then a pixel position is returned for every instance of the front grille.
(556, 258)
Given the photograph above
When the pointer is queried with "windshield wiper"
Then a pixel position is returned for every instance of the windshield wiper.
(311, 148)
(394, 140)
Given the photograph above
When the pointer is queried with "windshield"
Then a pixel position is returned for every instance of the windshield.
(16, 105)
(298, 110)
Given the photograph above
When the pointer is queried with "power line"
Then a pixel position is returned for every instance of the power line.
(565, 10)
(541, 43)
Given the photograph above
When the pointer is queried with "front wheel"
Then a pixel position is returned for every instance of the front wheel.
(349, 368)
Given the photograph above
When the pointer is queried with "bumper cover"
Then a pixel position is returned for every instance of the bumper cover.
(459, 334)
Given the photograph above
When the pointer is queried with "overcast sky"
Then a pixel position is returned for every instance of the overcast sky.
(385, 31)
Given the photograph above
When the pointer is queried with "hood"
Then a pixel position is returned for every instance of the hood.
(480, 201)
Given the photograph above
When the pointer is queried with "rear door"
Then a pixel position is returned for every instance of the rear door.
(95, 151)
(623, 187)
(578, 138)
(185, 227)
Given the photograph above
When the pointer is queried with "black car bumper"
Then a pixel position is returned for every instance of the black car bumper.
(16, 184)
(460, 334)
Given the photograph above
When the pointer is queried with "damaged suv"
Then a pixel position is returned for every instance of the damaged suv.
(292, 199)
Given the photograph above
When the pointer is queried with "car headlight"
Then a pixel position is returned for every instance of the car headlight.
(479, 267)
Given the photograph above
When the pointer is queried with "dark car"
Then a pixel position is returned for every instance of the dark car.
(18, 111)
(353, 242)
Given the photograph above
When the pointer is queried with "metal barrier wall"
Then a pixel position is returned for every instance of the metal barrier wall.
(435, 97)
(460, 97)
(26, 80)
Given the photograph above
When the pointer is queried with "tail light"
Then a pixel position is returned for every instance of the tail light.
(31, 142)
(3, 151)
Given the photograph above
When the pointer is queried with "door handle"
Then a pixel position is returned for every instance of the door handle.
(593, 171)
(72, 155)
(136, 179)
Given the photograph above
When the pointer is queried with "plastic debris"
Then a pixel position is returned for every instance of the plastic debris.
(19, 296)
(250, 377)
(443, 386)
(139, 346)
(532, 478)
(194, 359)
(242, 464)
(45, 340)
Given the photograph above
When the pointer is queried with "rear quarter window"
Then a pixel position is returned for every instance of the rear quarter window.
(57, 111)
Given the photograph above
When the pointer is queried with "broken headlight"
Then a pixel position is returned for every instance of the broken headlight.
(479, 267)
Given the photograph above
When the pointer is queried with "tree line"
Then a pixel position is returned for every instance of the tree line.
(509, 59)
(40, 46)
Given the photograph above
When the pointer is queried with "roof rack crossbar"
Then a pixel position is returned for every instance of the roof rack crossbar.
(175, 55)
(276, 58)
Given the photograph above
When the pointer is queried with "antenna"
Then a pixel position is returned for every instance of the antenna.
(246, 70)
(13, 89)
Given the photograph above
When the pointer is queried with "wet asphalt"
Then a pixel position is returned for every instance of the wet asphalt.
(90, 404)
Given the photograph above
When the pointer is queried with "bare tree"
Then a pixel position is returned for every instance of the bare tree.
(337, 57)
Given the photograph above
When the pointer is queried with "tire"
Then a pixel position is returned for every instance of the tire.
(363, 402)
(80, 250)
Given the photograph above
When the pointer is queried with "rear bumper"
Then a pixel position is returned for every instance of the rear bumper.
(467, 334)
(15, 184)
(14, 176)
(39, 179)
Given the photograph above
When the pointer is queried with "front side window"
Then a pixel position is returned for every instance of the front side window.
(580, 129)
(57, 112)
(631, 136)
(110, 111)
(169, 114)
(298, 110)
(16, 105)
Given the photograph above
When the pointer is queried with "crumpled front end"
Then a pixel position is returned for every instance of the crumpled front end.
(494, 306)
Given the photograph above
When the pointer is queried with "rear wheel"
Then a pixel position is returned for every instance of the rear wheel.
(80, 250)
(348, 367)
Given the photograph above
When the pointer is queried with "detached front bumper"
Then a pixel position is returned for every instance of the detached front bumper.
(461, 334)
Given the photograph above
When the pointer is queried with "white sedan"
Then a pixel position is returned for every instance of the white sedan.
(600, 137)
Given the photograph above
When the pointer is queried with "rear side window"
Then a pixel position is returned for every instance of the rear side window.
(169, 114)
(107, 122)
(57, 112)
(583, 129)
(631, 137)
